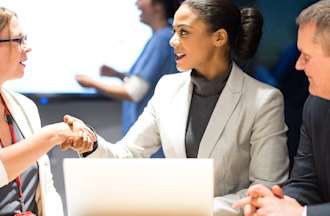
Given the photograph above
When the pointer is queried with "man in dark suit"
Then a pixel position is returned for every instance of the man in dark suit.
(307, 193)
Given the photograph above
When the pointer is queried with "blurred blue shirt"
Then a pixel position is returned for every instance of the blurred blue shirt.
(156, 59)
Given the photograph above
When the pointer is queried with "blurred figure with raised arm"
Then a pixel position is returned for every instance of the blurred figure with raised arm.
(156, 59)
(26, 185)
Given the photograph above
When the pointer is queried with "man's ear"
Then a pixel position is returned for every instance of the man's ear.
(220, 37)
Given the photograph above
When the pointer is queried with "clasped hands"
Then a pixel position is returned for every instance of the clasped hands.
(262, 201)
(82, 139)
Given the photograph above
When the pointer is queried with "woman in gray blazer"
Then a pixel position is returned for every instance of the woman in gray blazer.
(213, 110)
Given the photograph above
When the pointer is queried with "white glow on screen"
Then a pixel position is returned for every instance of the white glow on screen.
(76, 36)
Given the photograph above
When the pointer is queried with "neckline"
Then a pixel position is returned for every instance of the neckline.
(205, 87)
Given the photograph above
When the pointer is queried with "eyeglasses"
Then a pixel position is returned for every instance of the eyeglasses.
(20, 40)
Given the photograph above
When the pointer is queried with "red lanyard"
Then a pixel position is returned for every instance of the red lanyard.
(18, 178)
(14, 140)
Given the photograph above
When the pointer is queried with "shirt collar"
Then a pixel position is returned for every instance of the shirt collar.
(205, 87)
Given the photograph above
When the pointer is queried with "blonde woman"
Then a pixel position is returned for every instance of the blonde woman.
(26, 185)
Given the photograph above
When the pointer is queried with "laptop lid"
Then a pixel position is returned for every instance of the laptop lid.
(171, 187)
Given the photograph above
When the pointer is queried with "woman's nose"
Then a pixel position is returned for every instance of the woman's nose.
(174, 41)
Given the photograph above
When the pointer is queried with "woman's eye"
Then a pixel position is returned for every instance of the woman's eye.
(183, 32)
(180, 32)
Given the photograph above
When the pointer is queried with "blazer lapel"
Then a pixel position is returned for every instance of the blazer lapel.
(222, 112)
(17, 112)
(180, 110)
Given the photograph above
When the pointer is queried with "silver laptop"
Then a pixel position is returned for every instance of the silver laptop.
(136, 187)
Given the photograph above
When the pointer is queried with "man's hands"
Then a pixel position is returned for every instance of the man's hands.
(83, 139)
(262, 201)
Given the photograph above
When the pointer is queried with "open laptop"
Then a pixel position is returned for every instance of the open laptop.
(139, 187)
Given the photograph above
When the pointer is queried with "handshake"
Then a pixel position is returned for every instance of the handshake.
(72, 133)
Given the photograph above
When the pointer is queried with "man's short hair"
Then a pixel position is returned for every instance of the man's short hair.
(318, 13)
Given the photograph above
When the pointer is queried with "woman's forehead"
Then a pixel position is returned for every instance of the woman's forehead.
(11, 29)
(5, 32)
(15, 27)
(185, 15)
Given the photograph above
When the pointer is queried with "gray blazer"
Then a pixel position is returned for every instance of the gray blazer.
(246, 135)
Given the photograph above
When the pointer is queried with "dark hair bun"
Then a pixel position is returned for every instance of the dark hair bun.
(170, 6)
(250, 34)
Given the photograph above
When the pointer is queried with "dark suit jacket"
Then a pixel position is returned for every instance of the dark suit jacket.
(310, 179)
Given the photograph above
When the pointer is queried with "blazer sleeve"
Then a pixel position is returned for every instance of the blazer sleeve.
(318, 210)
(141, 141)
(223, 204)
(303, 184)
(52, 200)
(269, 163)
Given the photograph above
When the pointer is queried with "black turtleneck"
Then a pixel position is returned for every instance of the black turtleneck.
(204, 98)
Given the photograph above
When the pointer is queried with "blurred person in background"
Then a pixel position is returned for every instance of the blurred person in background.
(156, 59)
